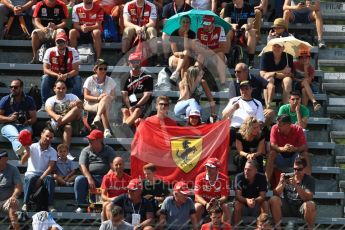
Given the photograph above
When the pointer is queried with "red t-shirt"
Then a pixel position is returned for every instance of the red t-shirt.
(225, 226)
(211, 39)
(208, 190)
(166, 121)
(88, 17)
(114, 185)
(299, 70)
(295, 137)
(57, 62)
(136, 14)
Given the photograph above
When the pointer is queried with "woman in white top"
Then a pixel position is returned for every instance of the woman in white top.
(99, 92)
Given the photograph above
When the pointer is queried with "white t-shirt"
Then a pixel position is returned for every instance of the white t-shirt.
(201, 4)
(60, 106)
(247, 108)
(39, 160)
(97, 89)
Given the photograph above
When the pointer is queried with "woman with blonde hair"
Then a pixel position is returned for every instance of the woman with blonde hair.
(191, 88)
(250, 144)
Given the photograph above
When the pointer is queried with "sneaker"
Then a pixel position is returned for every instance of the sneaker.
(20, 151)
(175, 77)
(25, 208)
(316, 106)
(107, 133)
(51, 209)
(79, 210)
(322, 44)
(53, 125)
(42, 109)
(97, 121)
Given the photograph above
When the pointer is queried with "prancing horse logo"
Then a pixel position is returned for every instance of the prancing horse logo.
(186, 152)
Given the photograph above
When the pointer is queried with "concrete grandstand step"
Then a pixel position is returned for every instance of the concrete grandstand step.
(333, 87)
(333, 10)
(337, 135)
(337, 30)
(319, 221)
(319, 121)
(338, 77)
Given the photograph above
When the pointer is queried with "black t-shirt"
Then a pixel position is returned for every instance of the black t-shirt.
(251, 190)
(267, 62)
(47, 14)
(175, 38)
(249, 146)
(239, 15)
(170, 9)
(138, 85)
(158, 189)
(258, 84)
(291, 195)
(127, 205)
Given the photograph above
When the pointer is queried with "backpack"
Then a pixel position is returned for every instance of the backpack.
(41, 51)
(35, 93)
(163, 81)
(237, 54)
(86, 54)
(40, 198)
(110, 31)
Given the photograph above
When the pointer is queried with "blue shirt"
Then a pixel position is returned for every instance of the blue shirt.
(27, 104)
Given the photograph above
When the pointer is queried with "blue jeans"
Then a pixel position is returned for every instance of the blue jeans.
(11, 132)
(184, 107)
(81, 187)
(29, 187)
(48, 82)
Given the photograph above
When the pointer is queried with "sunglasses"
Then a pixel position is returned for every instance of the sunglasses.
(102, 69)
(14, 87)
(298, 169)
(60, 42)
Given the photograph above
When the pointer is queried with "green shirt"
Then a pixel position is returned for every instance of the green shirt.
(285, 109)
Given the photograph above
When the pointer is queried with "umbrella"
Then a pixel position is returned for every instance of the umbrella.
(173, 23)
(292, 45)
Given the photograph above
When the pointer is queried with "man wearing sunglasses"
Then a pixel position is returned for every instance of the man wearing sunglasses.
(162, 107)
(60, 62)
(298, 190)
(17, 112)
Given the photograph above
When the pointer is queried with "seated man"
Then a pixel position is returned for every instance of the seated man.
(241, 17)
(299, 113)
(162, 107)
(95, 161)
(211, 188)
(287, 142)
(250, 192)
(211, 45)
(60, 63)
(17, 8)
(63, 109)
(137, 91)
(178, 210)
(137, 210)
(298, 190)
(41, 159)
(17, 112)
(114, 183)
(116, 221)
(87, 20)
(216, 222)
(50, 17)
(10, 189)
(140, 20)
(297, 11)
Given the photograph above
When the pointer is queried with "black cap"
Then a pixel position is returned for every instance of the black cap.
(285, 118)
(101, 61)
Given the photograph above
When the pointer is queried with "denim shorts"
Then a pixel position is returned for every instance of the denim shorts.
(282, 161)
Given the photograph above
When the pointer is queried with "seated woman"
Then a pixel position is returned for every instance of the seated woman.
(304, 76)
(191, 88)
(194, 118)
(180, 47)
(250, 144)
(99, 92)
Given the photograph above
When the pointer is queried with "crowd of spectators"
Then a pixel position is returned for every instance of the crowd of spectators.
(133, 203)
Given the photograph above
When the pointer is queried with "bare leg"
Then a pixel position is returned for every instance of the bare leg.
(73, 37)
(237, 213)
(97, 42)
(276, 204)
(67, 134)
(199, 210)
(270, 164)
(287, 87)
(309, 213)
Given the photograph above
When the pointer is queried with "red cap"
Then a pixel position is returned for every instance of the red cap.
(213, 163)
(207, 20)
(61, 36)
(182, 187)
(95, 134)
(134, 57)
(135, 184)
(25, 137)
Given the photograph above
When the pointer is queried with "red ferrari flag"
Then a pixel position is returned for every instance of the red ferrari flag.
(179, 153)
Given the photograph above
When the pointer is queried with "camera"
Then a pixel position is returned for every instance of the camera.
(288, 175)
(21, 117)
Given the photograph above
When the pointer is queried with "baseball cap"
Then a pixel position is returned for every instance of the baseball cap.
(194, 112)
(3, 154)
(182, 187)
(279, 22)
(101, 61)
(25, 137)
(244, 83)
(213, 162)
(135, 184)
(61, 36)
(134, 57)
(207, 20)
(281, 44)
(95, 134)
